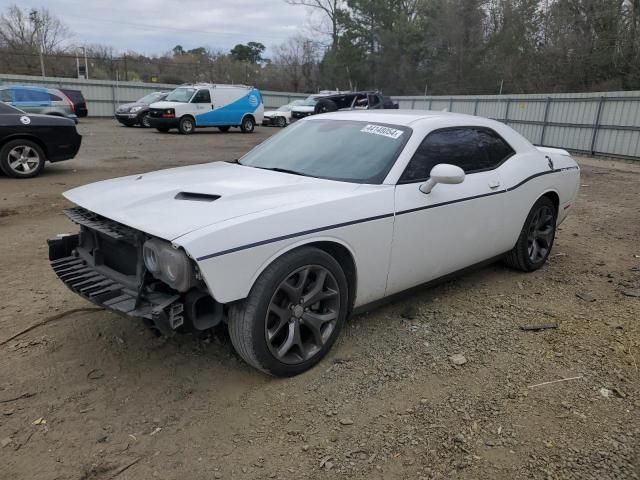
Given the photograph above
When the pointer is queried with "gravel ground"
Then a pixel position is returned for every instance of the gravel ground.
(443, 384)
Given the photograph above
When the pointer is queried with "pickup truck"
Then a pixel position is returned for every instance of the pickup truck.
(367, 100)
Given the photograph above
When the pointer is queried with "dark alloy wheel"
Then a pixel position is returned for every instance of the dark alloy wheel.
(293, 313)
(281, 122)
(302, 314)
(21, 159)
(186, 125)
(536, 238)
(145, 121)
(248, 124)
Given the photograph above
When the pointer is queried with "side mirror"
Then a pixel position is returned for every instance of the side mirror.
(442, 173)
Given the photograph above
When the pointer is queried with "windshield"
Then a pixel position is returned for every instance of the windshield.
(345, 150)
(310, 101)
(181, 95)
(285, 108)
(151, 98)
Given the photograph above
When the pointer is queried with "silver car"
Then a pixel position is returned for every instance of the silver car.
(46, 101)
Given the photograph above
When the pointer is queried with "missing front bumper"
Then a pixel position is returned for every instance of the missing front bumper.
(160, 310)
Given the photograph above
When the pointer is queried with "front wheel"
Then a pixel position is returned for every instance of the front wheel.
(144, 121)
(281, 122)
(536, 238)
(248, 124)
(21, 159)
(293, 313)
(186, 125)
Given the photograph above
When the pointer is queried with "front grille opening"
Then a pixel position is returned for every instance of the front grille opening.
(119, 256)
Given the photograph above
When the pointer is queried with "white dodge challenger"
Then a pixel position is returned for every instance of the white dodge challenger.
(321, 220)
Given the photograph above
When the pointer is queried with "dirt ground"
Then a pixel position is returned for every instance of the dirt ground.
(91, 395)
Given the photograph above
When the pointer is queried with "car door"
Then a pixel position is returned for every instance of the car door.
(202, 106)
(453, 226)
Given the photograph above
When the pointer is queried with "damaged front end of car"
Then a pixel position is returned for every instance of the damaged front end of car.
(134, 274)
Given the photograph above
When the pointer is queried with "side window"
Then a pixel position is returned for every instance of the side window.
(29, 95)
(494, 145)
(203, 96)
(54, 98)
(5, 95)
(472, 149)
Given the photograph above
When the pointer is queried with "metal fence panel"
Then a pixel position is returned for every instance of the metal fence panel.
(605, 123)
(104, 96)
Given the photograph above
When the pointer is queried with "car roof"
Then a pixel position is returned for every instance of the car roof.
(406, 117)
(398, 117)
(427, 120)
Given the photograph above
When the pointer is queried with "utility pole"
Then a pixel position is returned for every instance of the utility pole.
(37, 26)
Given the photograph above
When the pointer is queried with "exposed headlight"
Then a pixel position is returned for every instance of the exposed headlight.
(168, 264)
(135, 109)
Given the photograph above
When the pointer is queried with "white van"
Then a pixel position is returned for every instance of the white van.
(208, 105)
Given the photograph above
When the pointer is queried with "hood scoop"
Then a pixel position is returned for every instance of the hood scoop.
(196, 197)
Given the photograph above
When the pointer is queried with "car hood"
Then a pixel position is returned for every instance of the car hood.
(171, 203)
(304, 108)
(164, 104)
(125, 107)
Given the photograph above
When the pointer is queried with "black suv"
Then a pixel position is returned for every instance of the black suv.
(79, 103)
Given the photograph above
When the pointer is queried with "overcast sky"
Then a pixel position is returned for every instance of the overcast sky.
(156, 26)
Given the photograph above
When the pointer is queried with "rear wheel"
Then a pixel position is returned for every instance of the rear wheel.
(248, 124)
(21, 159)
(293, 313)
(224, 129)
(281, 122)
(186, 125)
(536, 238)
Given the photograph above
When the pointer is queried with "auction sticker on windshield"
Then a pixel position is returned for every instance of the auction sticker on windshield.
(384, 131)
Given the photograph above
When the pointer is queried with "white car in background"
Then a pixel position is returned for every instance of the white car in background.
(329, 216)
(280, 117)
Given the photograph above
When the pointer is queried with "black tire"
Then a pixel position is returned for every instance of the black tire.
(248, 124)
(536, 238)
(187, 125)
(249, 318)
(162, 130)
(325, 105)
(224, 129)
(28, 164)
(144, 121)
(281, 122)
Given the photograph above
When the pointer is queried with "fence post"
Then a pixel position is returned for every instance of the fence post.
(430, 102)
(113, 97)
(451, 104)
(506, 113)
(475, 106)
(544, 122)
(596, 126)
(413, 104)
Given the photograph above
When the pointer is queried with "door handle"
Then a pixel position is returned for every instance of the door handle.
(494, 184)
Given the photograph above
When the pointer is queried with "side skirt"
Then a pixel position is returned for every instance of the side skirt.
(431, 283)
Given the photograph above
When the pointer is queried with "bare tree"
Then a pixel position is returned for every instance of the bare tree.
(331, 9)
(23, 30)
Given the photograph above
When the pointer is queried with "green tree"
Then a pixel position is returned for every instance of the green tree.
(251, 52)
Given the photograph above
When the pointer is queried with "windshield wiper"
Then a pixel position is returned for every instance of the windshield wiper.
(284, 170)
